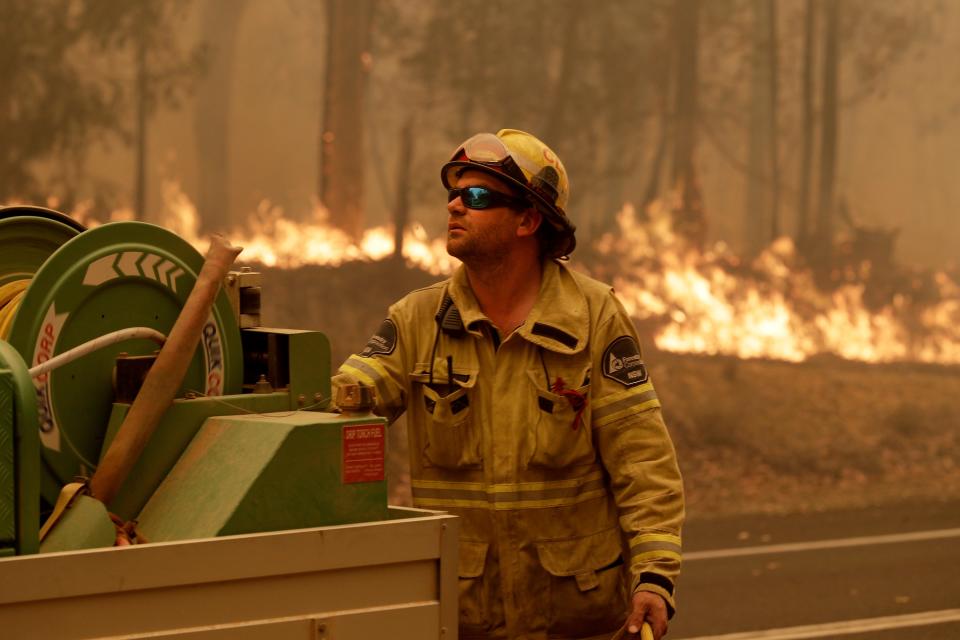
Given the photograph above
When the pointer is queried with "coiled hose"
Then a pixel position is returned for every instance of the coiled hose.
(11, 294)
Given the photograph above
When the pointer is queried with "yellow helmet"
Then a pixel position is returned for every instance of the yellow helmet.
(521, 160)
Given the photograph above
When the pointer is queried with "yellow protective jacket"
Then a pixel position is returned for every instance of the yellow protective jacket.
(549, 445)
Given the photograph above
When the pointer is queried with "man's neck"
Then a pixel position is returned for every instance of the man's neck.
(507, 290)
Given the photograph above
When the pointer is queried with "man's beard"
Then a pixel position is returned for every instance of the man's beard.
(477, 251)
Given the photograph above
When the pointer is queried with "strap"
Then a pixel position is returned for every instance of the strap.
(66, 497)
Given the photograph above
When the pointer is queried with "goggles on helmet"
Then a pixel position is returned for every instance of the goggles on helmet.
(479, 197)
(488, 150)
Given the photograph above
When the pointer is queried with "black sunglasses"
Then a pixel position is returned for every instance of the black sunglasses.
(483, 198)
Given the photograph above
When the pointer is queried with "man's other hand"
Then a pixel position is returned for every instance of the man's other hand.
(647, 607)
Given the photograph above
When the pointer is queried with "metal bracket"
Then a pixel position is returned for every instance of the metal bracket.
(243, 290)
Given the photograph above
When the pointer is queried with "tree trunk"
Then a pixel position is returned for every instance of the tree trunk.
(762, 218)
(689, 217)
(553, 129)
(342, 154)
(219, 24)
(829, 135)
(806, 128)
(402, 211)
(652, 191)
(759, 202)
(772, 113)
(143, 107)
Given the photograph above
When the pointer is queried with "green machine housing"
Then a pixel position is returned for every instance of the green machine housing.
(254, 462)
(260, 452)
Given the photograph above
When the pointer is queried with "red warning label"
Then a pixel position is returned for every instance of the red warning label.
(364, 448)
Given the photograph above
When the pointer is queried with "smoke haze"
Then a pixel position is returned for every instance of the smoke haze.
(898, 150)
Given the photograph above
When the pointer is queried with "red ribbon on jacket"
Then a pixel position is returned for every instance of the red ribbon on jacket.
(578, 401)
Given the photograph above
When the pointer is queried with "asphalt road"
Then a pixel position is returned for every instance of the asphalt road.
(873, 574)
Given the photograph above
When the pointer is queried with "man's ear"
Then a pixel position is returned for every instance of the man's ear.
(530, 220)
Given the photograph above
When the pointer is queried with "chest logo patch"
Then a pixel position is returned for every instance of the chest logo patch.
(383, 342)
(622, 362)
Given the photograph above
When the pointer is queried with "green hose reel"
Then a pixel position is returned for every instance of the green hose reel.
(118, 275)
(28, 236)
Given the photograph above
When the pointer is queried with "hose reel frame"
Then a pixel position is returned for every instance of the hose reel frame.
(114, 276)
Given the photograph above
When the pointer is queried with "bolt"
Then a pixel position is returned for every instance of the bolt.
(318, 397)
(301, 400)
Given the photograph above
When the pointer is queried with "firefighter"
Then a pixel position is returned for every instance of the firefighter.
(531, 414)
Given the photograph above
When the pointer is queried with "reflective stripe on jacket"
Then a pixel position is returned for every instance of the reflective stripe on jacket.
(550, 447)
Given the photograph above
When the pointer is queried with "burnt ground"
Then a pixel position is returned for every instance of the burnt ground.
(752, 436)
(773, 437)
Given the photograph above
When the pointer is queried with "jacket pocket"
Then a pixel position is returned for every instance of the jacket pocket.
(451, 439)
(473, 598)
(588, 587)
(561, 434)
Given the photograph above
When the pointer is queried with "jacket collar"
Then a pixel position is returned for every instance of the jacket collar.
(559, 320)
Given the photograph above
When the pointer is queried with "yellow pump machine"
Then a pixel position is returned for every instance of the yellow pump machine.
(207, 495)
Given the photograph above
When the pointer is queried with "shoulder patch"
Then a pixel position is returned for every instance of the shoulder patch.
(383, 342)
(622, 362)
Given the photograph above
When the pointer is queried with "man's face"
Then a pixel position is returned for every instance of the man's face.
(480, 234)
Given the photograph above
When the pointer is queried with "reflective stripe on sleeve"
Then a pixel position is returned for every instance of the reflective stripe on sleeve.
(372, 373)
(651, 546)
(651, 556)
(521, 495)
(615, 406)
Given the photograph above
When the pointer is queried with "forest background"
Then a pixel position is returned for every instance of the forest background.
(832, 123)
